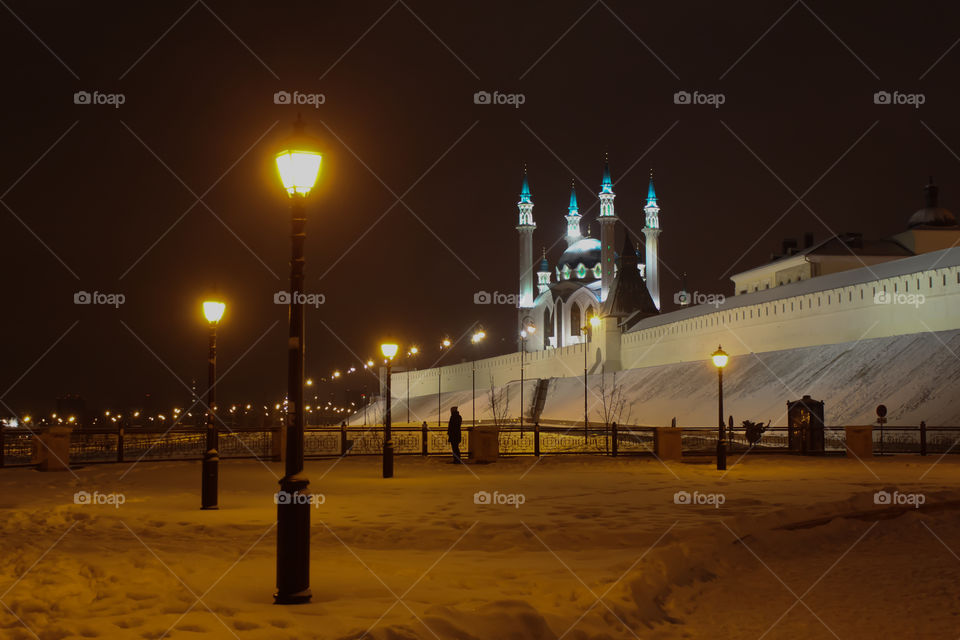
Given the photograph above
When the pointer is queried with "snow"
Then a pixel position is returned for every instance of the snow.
(416, 557)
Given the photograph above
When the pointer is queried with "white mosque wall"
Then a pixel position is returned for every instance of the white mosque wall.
(834, 309)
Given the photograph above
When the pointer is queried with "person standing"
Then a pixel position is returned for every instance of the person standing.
(454, 435)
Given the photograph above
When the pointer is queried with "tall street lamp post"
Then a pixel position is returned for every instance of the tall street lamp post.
(528, 330)
(444, 344)
(209, 484)
(389, 350)
(298, 164)
(720, 361)
(410, 355)
(478, 335)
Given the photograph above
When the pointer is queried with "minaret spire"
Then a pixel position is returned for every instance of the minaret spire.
(525, 227)
(573, 217)
(651, 231)
(607, 220)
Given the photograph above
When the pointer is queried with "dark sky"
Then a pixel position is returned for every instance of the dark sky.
(99, 198)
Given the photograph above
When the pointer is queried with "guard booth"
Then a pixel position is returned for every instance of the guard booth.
(805, 426)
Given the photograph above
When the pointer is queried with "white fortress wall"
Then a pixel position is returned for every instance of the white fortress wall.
(828, 309)
(832, 309)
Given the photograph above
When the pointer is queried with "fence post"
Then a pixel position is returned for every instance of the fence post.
(923, 438)
(423, 439)
(730, 434)
(120, 441)
(343, 438)
(613, 445)
(536, 438)
(673, 423)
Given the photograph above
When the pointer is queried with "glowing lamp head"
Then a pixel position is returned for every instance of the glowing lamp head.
(445, 343)
(299, 162)
(478, 336)
(594, 321)
(309, 382)
(720, 358)
(388, 349)
(414, 351)
(213, 311)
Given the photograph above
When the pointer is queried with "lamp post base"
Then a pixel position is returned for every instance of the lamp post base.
(293, 541)
(209, 488)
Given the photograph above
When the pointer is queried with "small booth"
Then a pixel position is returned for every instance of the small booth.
(805, 426)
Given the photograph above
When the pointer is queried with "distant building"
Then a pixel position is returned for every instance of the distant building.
(929, 229)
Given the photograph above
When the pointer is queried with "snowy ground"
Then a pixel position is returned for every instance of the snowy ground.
(598, 549)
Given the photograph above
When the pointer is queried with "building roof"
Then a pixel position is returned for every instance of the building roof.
(628, 294)
(842, 244)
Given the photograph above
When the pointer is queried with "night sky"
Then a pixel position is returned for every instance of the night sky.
(105, 199)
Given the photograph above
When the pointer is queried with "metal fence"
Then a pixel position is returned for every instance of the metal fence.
(555, 438)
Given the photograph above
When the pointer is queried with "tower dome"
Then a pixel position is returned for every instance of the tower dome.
(932, 215)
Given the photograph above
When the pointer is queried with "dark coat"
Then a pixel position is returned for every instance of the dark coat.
(453, 428)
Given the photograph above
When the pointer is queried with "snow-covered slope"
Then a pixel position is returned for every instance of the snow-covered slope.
(916, 376)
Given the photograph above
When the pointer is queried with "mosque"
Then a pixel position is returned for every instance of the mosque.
(590, 279)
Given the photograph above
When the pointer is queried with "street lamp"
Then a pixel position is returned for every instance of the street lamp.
(592, 323)
(298, 164)
(389, 350)
(210, 471)
(528, 330)
(720, 359)
(410, 354)
(444, 344)
(476, 338)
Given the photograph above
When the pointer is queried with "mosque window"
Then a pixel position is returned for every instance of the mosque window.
(581, 271)
(596, 271)
(575, 319)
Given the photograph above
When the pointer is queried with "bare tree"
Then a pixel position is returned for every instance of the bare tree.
(499, 398)
(613, 400)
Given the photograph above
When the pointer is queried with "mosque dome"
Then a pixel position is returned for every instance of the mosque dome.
(581, 260)
(932, 215)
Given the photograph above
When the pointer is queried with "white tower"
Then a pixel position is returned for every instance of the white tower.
(573, 218)
(651, 232)
(525, 227)
(607, 220)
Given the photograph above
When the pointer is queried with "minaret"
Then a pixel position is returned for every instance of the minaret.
(525, 227)
(573, 217)
(607, 220)
(651, 232)
(543, 275)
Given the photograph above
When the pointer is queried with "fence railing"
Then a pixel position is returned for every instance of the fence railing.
(547, 438)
